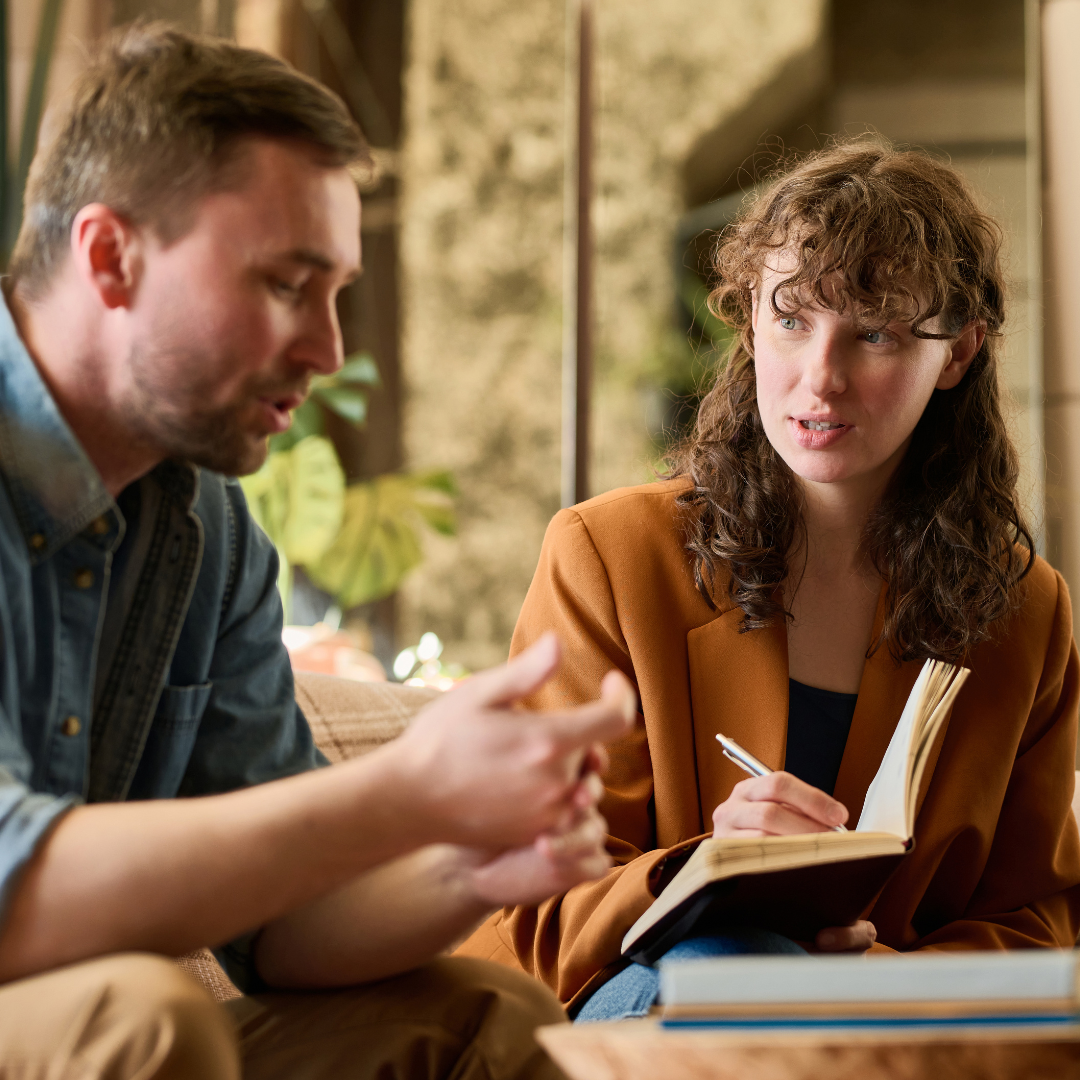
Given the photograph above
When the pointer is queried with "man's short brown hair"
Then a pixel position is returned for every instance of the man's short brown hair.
(153, 124)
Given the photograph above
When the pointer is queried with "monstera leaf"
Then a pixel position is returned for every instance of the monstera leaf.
(298, 497)
(341, 393)
(378, 543)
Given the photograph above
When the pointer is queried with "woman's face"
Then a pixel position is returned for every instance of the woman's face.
(839, 399)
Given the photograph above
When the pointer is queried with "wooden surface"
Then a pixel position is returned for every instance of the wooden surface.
(642, 1050)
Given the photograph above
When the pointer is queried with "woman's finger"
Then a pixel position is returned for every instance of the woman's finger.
(858, 937)
(770, 818)
(782, 787)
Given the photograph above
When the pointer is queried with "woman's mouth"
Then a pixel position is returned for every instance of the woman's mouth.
(815, 434)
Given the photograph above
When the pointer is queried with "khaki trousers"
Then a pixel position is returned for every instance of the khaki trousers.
(136, 1017)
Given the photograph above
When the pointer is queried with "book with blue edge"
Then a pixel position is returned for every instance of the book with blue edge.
(1030, 989)
(798, 885)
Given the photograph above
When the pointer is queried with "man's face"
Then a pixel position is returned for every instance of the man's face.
(230, 321)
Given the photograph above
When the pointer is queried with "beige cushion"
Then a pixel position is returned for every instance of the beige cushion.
(352, 718)
(347, 719)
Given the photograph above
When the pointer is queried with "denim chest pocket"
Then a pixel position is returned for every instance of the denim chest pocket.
(170, 741)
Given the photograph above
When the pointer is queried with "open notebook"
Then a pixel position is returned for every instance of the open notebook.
(798, 885)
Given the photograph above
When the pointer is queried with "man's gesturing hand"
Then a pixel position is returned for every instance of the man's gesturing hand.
(491, 776)
(551, 864)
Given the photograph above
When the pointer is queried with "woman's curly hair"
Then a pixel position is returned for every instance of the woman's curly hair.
(889, 235)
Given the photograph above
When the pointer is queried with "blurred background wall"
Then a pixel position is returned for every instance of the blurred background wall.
(468, 104)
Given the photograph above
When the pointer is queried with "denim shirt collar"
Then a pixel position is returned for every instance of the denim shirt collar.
(55, 488)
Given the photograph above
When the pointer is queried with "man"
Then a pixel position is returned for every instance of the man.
(187, 230)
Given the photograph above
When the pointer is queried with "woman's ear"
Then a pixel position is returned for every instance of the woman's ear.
(107, 254)
(965, 347)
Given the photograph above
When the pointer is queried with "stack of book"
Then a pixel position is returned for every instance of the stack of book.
(1033, 991)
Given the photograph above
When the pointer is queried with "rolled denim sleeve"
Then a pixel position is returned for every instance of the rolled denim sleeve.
(26, 818)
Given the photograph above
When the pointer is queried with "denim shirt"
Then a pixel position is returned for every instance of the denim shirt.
(196, 696)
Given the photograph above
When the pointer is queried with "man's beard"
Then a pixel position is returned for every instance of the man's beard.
(165, 410)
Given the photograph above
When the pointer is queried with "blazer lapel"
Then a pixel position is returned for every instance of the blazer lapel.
(883, 690)
(738, 687)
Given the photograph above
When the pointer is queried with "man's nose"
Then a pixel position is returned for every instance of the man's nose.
(321, 347)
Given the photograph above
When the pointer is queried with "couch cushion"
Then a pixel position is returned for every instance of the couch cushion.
(352, 718)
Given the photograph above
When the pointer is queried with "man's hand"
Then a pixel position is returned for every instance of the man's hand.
(482, 773)
(776, 805)
(553, 863)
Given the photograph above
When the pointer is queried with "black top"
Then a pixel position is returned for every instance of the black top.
(818, 726)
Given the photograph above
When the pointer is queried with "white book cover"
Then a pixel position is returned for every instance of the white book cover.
(1030, 974)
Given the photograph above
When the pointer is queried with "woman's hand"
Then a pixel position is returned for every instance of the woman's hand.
(857, 938)
(778, 804)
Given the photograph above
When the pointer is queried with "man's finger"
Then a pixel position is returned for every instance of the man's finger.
(590, 790)
(517, 678)
(599, 721)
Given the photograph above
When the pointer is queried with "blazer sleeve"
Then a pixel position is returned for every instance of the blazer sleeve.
(1029, 893)
(569, 939)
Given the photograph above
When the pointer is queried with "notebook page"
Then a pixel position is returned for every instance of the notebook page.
(926, 741)
(885, 806)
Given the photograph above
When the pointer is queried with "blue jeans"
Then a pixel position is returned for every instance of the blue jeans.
(632, 992)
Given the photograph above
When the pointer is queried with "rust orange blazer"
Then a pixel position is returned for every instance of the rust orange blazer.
(996, 862)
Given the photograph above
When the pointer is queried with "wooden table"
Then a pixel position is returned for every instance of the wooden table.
(642, 1050)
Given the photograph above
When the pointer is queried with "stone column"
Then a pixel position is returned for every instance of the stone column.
(1061, 217)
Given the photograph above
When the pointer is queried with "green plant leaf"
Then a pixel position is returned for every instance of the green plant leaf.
(437, 480)
(298, 499)
(378, 543)
(267, 493)
(358, 368)
(346, 402)
(440, 518)
(316, 500)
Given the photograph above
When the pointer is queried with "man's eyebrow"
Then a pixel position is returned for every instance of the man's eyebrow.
(316, 259)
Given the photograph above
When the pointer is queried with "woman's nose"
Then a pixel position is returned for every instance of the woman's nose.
(825, 372)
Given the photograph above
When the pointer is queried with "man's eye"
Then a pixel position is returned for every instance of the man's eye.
(284, 288)
(788, 322)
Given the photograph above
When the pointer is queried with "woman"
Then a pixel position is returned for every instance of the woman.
(845, 509)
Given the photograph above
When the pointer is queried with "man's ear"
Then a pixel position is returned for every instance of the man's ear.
(965, 347)
(107, 252)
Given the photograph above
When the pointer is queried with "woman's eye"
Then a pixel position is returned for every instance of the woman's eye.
(788, 322)
(876, 337)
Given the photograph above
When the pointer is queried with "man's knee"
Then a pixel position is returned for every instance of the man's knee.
(521, 992)
(499, 1009)
(177, 1029)
(120, 1016)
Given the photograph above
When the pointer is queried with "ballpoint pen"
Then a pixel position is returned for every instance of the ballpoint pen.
(748, 763)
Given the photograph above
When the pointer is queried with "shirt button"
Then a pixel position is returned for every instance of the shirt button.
(84, 578)
(99, 526)
(71, 726)
(37, 541)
